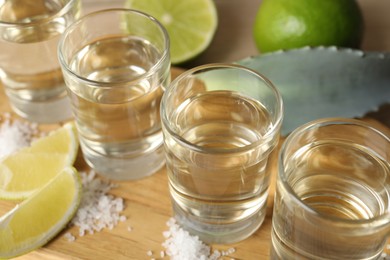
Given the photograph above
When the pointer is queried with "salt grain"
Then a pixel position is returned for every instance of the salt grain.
(149, 253)
(15, 134)
(70, 237)
(179, 244)
(98, 209)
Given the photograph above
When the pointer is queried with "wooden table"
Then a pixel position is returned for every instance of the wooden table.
(147, 208)
(147, 201)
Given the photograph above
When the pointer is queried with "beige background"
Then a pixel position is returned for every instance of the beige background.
(233, 39)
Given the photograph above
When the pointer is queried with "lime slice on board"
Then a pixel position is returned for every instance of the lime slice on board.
(191, 24)
(39, 218)
(30, 168)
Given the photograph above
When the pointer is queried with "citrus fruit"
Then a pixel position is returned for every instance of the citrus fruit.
(39, 218)
(30, 168)
(286, 24)
(191, 24)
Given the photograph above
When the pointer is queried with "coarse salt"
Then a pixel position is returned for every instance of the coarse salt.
(70, 237)
(98, 209)
(15, 134)
(180, 244)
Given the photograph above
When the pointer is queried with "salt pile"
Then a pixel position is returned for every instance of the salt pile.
(98, 209)
(15, 134)
(179, 245)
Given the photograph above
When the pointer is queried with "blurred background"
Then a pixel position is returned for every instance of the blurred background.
(233, 39)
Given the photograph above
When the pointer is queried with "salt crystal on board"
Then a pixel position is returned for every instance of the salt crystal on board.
(15, 134)
(98, 209)
(70, 237)
(180, 244)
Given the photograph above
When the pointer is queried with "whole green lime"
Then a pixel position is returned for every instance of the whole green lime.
(288, 24)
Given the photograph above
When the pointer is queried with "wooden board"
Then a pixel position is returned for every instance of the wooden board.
(148, 208)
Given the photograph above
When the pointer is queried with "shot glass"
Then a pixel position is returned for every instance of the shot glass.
(29, 68)
(116, 66)
(220, 123)
(332, 192)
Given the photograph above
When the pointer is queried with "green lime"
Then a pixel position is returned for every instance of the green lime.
(191, 24)
(288, 24)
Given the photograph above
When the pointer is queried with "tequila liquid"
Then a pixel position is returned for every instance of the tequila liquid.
(118, 114)
(220, 188)
(29, 68)
(336, 180)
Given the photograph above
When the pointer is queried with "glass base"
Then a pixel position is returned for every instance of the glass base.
(281, 250)
(122, 169)
(45, 112)
(221, 233)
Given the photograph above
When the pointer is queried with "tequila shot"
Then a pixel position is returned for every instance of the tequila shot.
(332, 192)
(29, 68)
(220, 123)
(116, 66)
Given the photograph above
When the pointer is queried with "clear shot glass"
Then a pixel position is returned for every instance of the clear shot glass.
(332, 192)
(29, 68)
(220, 123)
(116, 66)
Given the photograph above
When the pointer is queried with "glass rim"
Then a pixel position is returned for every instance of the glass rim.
(267, 136)
(59, 13)
(382, 219)
(117, 84)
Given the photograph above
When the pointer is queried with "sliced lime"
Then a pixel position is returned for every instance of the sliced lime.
(30, 168)
(191, 24)
(38, 219)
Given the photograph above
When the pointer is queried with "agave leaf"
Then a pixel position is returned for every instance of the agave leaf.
(325, 82)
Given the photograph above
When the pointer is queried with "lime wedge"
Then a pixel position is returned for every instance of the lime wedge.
(30, 168)
(61, 141)
(38, 219)
(191, 24)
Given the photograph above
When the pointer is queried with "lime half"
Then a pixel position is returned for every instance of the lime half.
(42, 216)
(191, 24)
